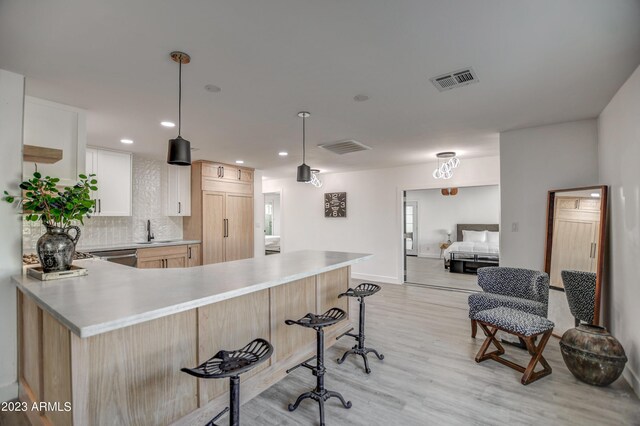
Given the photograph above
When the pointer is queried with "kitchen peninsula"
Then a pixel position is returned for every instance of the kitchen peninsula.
(113, 342)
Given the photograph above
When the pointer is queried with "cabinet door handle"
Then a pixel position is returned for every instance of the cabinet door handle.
(239, 174)
(219, 172)
(226, 228)
(99, 205)
(189, 252)
(179, 207)
(222, 168)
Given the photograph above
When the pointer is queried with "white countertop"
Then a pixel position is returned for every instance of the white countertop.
(114, 296)
(123, 246)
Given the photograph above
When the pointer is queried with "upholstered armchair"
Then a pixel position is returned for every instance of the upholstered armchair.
(580, 288)
(522, 289)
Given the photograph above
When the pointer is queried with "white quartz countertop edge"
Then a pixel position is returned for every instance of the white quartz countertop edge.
(139, 245)
(96, 329)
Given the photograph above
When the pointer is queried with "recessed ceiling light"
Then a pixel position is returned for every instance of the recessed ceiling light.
(360, 98)
(168, 124)
(239, 162)
(283, 153)
(212, 88)
(127, 141)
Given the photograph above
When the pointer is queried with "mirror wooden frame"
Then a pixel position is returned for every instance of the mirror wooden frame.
(551, 204)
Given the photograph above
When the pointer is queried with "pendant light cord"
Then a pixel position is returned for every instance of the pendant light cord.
(303, 140)
(179, 95)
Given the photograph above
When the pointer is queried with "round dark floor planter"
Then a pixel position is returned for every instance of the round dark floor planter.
(592, 354)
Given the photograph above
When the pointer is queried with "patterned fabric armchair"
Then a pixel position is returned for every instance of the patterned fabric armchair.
(522, 289)
(580, 288)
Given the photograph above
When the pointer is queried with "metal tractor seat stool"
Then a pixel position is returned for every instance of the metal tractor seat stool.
(231, 364)
(318, 323)
(361, 291)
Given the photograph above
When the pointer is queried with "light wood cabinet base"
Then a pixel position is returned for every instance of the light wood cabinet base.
(132, 375)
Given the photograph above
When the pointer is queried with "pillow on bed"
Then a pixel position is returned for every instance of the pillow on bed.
(493, 237)
(474, 236)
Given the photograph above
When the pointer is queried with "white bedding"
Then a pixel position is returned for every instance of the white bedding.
(471, 247)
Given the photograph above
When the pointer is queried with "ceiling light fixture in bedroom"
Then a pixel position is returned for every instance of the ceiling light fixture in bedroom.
(445, 170)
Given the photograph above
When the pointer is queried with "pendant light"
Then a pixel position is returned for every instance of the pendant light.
(304, 171)
(179, 153)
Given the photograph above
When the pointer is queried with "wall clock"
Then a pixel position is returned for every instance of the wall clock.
(335, 204)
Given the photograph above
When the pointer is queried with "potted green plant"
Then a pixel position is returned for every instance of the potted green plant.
(57, 208)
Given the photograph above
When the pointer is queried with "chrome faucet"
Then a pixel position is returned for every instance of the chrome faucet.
(150, 236)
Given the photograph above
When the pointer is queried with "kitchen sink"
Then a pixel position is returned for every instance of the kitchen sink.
(157, 242)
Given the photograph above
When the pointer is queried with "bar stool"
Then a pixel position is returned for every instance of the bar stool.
(231, 364)
(320, 394)
(361, 291)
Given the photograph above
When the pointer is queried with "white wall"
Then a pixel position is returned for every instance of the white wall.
(374, 211)
(532, 162)
(11, 113)
(619, 152)
(438, 214)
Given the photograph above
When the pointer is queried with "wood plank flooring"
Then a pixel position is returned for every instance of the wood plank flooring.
(431, 272)
(429, 377)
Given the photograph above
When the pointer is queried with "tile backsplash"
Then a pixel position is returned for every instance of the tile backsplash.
(147, 205)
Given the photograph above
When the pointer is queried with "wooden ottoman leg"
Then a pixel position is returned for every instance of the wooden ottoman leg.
(491, 338)
(536, 356)
(474, 328)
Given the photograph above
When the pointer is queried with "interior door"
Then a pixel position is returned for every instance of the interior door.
(411, 228)
(212, 227)
(239, 236)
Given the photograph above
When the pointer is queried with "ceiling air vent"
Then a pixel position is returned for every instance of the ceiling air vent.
(344, 147)
(455, 79)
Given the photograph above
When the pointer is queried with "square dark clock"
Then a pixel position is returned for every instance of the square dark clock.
(335, 204)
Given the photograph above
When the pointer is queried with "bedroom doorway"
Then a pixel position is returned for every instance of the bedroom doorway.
(272, 223)
(442, 215)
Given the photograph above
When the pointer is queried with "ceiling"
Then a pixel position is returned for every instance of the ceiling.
(538, 62)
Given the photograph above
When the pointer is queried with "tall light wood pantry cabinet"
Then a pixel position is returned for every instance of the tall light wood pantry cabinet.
(221, 211)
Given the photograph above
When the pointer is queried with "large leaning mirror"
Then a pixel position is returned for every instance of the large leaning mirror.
(575, 243)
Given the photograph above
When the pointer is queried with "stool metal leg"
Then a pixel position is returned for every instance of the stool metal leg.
(234, 400)
(359, 348)
(319, 394)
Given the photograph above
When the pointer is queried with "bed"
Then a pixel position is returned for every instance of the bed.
(271, 244)
(466, 256)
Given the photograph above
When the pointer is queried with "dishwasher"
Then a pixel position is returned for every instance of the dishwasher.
(127, 257)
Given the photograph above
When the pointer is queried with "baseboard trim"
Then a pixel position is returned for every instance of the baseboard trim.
(9, 392)
(378, 278)
(632, 379)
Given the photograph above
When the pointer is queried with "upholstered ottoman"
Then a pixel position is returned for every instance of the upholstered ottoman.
(524, 325)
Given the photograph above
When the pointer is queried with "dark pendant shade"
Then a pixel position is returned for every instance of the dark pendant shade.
(179, 152)
(304, 173)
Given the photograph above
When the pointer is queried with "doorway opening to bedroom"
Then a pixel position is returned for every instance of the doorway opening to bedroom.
(449, 233)
(272, 223)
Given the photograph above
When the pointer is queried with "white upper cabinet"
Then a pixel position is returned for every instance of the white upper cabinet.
(113, 172)
(177, 200)
(52, 125)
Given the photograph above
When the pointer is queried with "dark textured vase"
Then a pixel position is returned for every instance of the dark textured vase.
(593, 355)
(56, 248)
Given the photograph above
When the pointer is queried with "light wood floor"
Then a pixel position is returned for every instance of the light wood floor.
(431, 272)
(429, 377)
